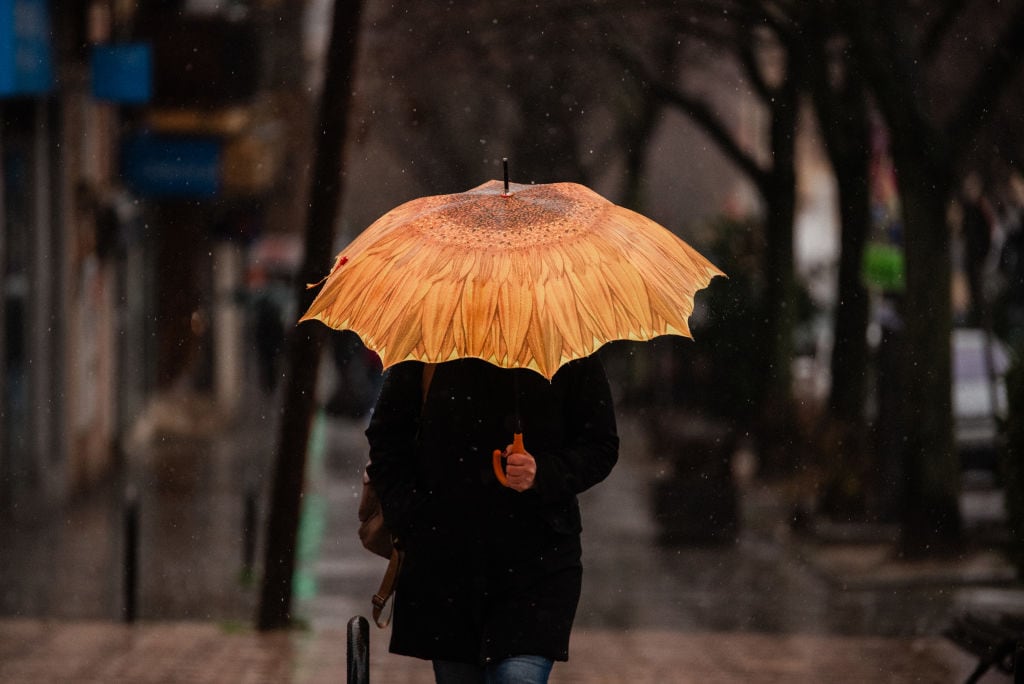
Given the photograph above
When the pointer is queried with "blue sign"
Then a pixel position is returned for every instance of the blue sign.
(168, 166)
(123, 73)
(26, 53)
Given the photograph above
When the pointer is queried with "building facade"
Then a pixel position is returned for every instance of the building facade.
(140, 148)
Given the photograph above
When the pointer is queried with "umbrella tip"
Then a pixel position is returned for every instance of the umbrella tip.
(504, 165)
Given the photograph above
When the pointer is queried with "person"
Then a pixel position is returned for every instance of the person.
(977, 228)
(491, 577)
(358, 377)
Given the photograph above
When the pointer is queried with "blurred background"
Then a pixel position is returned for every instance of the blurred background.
(853, 393)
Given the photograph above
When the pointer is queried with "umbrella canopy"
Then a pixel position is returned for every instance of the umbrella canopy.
(532, 276)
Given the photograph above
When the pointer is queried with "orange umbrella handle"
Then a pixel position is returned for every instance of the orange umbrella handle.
(517, 446)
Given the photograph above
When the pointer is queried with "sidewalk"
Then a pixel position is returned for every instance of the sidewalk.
(34, 651)
(771, 608)
(189, 472)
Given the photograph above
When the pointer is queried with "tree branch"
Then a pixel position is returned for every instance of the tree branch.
(750, 64)
(700, 113)
(893, 75)
(998, 72)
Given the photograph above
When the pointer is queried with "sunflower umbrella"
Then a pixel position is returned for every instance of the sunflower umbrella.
(522, 276)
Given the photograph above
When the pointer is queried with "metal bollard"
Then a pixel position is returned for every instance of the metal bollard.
(358, 650)
(131, 553)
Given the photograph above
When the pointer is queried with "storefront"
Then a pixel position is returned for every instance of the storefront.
(30, 449)
(129, 190)
(72, 272)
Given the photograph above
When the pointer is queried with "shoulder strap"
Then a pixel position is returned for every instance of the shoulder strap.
(387, 587)
(428, 375)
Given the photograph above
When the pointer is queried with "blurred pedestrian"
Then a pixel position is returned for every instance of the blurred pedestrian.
(357, 376)
(268, 315)
(491, 576)
(976, 226)
(1011, 263)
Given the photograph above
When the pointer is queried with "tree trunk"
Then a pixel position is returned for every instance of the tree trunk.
(885, 39)
(636, 134)
(306, 342)
(850, 155)
(841, 436)
(780, 286)
(850, 350)
(776, 424)
(840, 100)
(932, 483)
(637, 138)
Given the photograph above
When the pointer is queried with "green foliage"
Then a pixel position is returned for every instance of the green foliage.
(1013, 459)
(884, 267)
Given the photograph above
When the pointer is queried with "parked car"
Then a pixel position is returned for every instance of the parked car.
(980, 362)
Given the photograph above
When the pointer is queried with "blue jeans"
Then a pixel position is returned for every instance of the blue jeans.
(526, 669)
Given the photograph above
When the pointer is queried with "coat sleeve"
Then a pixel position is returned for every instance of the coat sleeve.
(592, 447)
(392, 437)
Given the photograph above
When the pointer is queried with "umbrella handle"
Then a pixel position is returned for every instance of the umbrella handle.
(517, 446)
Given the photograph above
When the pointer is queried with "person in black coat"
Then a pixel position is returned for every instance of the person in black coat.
(492, 574)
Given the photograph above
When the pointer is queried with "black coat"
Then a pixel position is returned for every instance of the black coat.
(489, 572)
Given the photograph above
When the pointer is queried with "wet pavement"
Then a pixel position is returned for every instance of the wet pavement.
(772, 607)
(189, 479)
(768, 581)
(34, 651)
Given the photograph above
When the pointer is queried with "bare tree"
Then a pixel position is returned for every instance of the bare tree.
(935, 123)
(841, 103)
(762, 47)
(464, 89)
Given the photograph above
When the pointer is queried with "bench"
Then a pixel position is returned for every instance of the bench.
(996, 640)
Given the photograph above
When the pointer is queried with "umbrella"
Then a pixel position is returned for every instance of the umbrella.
(522, 276)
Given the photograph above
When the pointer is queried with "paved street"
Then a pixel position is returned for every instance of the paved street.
(102, 652)
(769, 608)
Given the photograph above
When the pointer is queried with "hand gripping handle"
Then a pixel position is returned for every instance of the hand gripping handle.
(499, 471)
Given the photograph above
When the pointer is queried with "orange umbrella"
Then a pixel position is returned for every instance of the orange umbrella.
(522, 276)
